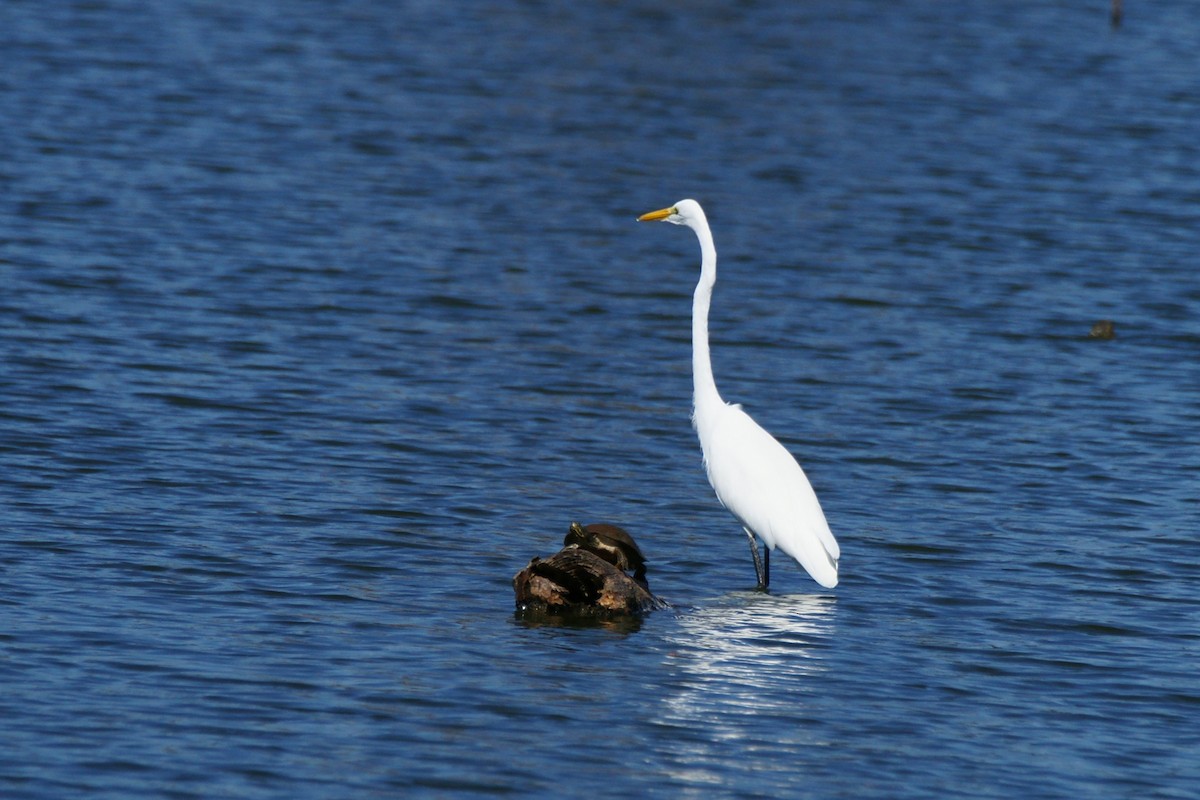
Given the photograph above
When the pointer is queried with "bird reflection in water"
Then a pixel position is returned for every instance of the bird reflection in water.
(743, 659)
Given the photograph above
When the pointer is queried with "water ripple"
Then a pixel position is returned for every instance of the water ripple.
(317, 326)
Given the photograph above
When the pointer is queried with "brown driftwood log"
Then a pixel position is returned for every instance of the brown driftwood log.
(588, 576)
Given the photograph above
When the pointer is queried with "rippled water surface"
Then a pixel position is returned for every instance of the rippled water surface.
(320, 319)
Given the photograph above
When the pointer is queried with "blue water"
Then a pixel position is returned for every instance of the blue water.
(320, 319)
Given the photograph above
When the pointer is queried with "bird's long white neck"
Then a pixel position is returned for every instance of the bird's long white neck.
(705, 394)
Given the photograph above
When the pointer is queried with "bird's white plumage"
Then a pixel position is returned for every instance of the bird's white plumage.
(753, 475)
(759, 481)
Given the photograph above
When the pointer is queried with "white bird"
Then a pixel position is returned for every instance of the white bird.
(754, 476)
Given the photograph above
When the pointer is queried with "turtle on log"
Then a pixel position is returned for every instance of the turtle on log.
(588, 576)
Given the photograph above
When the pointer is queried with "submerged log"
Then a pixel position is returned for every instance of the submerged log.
(587, 576)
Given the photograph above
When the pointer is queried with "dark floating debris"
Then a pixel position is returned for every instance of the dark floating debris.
(1103, 329)
(587, 577)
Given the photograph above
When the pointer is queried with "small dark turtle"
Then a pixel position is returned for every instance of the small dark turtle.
(612, 544)
(587, 578)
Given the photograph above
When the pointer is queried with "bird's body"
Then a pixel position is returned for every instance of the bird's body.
(753, 475)
(758, 480)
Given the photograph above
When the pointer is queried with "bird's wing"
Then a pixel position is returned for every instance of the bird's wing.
(757, 479)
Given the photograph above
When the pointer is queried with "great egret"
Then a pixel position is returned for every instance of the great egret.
(754, 476)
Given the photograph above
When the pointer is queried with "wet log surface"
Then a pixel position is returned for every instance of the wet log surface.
(587, 577)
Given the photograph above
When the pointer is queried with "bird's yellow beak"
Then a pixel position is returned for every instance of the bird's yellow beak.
(656, 216)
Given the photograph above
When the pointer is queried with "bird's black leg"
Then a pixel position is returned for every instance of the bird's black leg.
(766, 578)
(759, 570)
